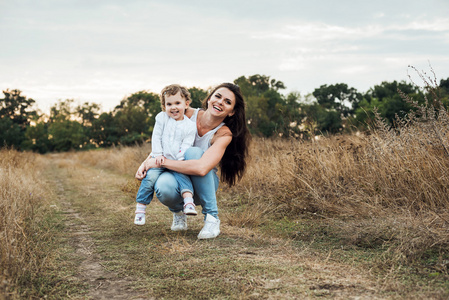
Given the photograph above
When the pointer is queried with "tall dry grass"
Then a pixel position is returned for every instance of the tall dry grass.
(375, 187)
(348, 175)
(389, 188)
(124, 160)
(23, 205)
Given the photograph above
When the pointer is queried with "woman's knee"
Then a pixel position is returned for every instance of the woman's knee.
(193, 153)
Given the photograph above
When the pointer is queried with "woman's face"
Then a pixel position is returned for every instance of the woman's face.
(222, 103)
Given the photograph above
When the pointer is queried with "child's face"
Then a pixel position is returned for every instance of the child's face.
(175, 106)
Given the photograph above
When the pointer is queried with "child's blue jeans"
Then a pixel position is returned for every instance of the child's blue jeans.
(146, 189)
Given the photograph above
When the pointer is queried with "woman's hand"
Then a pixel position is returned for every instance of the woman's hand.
(144, 167)
(141, 172)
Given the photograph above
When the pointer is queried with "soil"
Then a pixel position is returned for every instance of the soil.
(103, 284)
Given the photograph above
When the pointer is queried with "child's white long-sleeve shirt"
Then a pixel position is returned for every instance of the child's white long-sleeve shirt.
(172, 138)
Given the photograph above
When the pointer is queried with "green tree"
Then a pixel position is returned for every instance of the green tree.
(338, 96)
(197, 95)
(88, 112)
(387, 90)
(388, 101)
(62, 110)
(16, 112)
(444, 92)
(11, 133)
(66, 135)
(135, 117)
(37, 138)
(293, 115)
(319, 120)
(268, 111)
(105, 130)
(64, 131)
(364, 114)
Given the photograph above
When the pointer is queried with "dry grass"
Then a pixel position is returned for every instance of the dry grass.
(125, 160)
(387, 189)
(396, 178)
(347, 175)
(23, 205)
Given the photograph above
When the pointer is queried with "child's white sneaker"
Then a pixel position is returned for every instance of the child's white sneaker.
(139, 219)
(211, 228)
(179, 221)
(189, 209)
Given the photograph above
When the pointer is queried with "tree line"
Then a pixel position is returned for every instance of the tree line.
(330, 109)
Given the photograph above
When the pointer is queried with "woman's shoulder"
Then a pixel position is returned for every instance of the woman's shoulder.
(223, 131)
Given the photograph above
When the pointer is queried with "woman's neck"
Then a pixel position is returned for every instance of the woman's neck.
(206, 122)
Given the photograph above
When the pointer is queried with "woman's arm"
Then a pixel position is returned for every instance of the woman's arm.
(207, 162)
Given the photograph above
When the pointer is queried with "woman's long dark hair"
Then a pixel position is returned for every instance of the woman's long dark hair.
(233, 162)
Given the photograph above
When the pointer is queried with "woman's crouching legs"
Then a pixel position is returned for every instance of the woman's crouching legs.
(205, 188)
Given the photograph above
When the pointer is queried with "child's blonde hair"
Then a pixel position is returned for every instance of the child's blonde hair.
(171, 90)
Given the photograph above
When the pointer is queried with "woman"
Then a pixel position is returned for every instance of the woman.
(222, 140)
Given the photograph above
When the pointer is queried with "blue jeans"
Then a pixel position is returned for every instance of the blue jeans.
(146, 189)
(169, 194)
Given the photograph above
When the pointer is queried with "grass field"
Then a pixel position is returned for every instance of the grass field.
(341, 217)
(361, 216)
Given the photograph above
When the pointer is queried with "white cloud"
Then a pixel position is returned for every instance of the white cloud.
(102, 51)
(313, 31)
(379, 15)
(352, 50)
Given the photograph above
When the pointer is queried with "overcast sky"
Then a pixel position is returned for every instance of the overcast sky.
(102, 51)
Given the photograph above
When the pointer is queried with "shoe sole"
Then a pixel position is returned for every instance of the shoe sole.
(183, 229)
(207, 238)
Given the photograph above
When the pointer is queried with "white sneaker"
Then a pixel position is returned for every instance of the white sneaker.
(189, 209)
(211, 228)
(139, 219)
(179, 221)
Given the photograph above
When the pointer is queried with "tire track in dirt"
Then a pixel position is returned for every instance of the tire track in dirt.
(103, 284)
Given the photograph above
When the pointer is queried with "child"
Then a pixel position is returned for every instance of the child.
(172, 135)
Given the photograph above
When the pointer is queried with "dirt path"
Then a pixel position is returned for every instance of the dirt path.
(121, 261)
(102, 283)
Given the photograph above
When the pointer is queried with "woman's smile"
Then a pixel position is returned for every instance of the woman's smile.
(223, 102)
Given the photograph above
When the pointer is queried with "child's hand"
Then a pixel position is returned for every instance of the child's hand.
(160, 160)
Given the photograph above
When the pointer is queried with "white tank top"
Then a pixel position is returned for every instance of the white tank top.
(203, 142)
